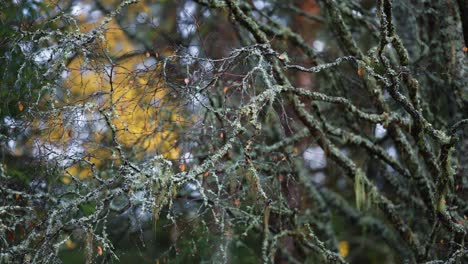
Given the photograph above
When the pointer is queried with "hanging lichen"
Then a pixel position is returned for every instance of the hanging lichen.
(360, 190)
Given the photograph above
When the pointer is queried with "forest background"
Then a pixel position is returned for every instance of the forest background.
(233, 131)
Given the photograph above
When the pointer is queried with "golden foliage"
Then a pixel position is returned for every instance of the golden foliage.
(20, 106)
(123, 84)
(343, 247)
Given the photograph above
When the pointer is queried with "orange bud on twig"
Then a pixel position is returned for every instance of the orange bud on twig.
(360, 71)
(99, 250)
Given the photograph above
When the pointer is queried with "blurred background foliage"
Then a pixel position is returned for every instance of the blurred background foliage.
(109, 111)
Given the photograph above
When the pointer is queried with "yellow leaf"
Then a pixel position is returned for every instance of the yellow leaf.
(343, 247)
(66, 179)
(70, 244)
(20, 106)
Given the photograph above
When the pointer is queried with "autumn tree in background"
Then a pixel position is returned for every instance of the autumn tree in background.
(233, 131)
